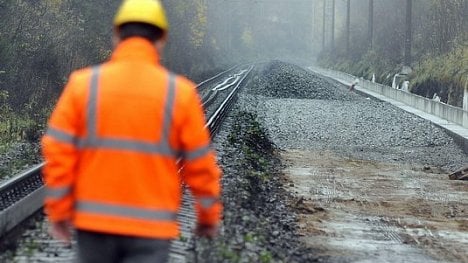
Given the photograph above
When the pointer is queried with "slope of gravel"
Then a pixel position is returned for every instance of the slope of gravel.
(283, 80)
(259, 223)
(349, 124)
(296, 109)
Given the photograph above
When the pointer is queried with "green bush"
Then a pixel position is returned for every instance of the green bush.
(446, 75)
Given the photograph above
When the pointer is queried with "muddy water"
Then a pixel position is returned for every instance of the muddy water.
(368, 211)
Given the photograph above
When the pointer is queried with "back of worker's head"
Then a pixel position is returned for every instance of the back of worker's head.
(135, 29)
(143, 18)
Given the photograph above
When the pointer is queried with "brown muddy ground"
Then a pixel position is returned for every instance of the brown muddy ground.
(369, 211)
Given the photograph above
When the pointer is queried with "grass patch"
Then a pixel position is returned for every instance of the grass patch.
(446, 75)
(20, 133)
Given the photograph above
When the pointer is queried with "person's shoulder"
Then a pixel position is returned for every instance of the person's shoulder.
(184, 82)
(83, 74)
(185, 87)
(79, 80)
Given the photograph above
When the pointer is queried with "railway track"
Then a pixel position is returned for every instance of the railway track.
(397, 212)
(22, 196)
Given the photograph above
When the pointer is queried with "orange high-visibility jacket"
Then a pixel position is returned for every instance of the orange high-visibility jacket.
(112, 144)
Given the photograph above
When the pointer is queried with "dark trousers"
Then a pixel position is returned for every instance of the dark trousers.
(103, 248)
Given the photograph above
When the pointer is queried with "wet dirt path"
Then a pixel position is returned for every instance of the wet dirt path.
(368, 211)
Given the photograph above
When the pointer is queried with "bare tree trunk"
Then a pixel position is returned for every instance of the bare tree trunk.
(409, 33)
(465, 96)
(370, 34)
(464, 23)
(333, 26)
(323, 23)
(348, 22)
(313, 24)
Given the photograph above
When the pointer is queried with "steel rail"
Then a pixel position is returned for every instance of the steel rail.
(221, 111)
(186, 216)
(199, 85)
(20, 197)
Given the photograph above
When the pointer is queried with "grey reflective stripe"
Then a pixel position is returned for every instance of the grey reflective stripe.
(93, 141)
(168, 109)
(92, 104)
(207, 202)
(200, 152)
(61, 136)
(57, 192)
(131, 145)
(125, 211)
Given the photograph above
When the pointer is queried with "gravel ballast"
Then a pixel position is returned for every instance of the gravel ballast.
(350, 124)
(317, 114)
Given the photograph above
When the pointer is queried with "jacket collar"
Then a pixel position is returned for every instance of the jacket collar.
(136, 48)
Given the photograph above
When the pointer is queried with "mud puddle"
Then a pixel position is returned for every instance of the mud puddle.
(367, 211)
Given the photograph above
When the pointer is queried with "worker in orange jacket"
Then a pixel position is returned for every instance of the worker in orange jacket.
(112, 145)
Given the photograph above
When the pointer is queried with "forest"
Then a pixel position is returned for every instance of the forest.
(377, 37)
(41, 42)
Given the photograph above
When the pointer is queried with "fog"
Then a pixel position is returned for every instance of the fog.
(43, 41)
(233, 31)
(262, 29)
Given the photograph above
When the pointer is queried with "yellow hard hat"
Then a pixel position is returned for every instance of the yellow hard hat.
(143, 11)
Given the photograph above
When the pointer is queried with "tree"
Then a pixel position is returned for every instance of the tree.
(348, 24)
(324, 23)
(333, 26)
(409, 32)
(447, 21)
(370, 34)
